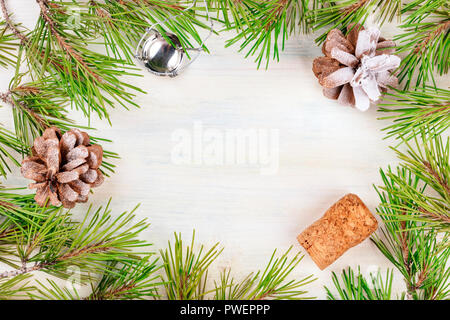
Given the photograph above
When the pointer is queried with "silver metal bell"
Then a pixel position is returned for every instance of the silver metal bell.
(167, 58)
(159, 55)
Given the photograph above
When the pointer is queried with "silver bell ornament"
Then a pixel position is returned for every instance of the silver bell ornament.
(165, 56)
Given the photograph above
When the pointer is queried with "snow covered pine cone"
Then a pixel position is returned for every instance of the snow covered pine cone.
(357, 67)
(64, 167)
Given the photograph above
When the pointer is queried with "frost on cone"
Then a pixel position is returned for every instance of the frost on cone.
(64, 167)
(356, 68)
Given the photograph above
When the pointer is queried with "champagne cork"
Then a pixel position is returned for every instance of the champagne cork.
(347, 223)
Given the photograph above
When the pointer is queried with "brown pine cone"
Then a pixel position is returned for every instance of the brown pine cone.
(64, 167)
(356, 68)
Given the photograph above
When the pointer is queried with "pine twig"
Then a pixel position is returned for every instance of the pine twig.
(135, 280)
(262, 27)
(416, 111)
(425, 40)
(424, 167)
(14, 288)
(186, 270)
(409, 242)
(11, 25)
(51, 242)
(354, 286)
(339, 14)
(44, 6)
(271, 283)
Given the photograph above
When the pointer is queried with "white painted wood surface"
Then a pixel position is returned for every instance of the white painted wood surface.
(325, 151)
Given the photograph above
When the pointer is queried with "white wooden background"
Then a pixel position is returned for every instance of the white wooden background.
(326, 151)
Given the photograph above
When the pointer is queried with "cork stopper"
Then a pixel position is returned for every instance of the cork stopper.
(347, 223)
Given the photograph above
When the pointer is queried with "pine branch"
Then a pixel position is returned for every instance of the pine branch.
(421, 184)
(429, 160)
(52, 291)
(186, 269)
(425, 42)
(36, 106)
(20, 210)
(268, 284)
(414, 250)
(135, 279)
(184, 277)
(8, 233)
(60, 40)
(14, 288)
(20, 215)
(419, 10)
(339, 14)
(416, 111)
(356, 287)
(55, 242)
(122, 23)
(9, 144)
(8, 45)
(58, 49)
(129, 281)
(11, 25)
(91, 80)
(262, 27)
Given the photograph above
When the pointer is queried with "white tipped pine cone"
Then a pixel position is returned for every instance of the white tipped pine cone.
(356, 68)
(64, 167)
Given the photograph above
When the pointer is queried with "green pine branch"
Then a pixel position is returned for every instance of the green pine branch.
(186, 271)
(429, 161)
(354, 286)
(15, 288)
(9, 145)
(420, 187)
(50, 290)
(60, 48)
(18, 211)
(419, 10)
(100, 251)
(425, 40)
(414, 208)
(8, 45)
(35, 107)
(262, 27)
(416, 111)
(271, 283)
(328, 14)
(131, 280)
(52, 242)
(419, 256)
(122, 23)
(93, 81)
(181, 275)
(412, 244)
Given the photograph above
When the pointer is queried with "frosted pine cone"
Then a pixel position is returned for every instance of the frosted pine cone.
(65, 168)
(356, 68)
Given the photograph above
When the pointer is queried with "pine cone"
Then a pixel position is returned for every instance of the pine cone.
(356, 68)
(64, 168)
